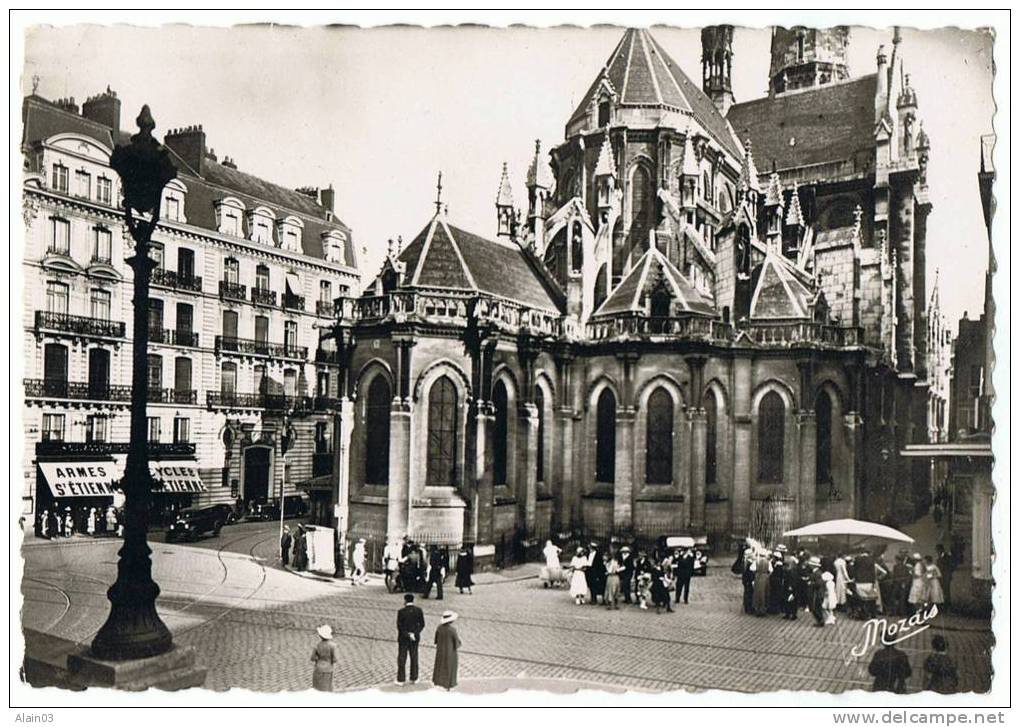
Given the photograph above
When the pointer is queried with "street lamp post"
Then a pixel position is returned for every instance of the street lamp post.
(133, 630)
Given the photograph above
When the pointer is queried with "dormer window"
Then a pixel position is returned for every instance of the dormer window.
(333, 246)
(604, 112)
(228, 216)
(289, 231)
(59, 178)
(173, 201)
(260, 225)
(82, 184)
(104, 190)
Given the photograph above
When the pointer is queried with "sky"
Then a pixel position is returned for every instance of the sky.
(378, 112)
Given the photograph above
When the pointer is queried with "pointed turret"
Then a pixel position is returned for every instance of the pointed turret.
(773, 212)
(540, 182)
(748, 185)
(793, 227)
(689, 174)
(505, 206)
(605, 179)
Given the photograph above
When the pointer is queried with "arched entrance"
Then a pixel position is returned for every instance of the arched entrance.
(256, 474)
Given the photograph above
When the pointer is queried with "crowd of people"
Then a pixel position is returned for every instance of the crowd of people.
(56, 522)
(614, 574)
(410, 567)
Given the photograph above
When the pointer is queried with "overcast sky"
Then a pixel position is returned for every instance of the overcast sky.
(378, 112)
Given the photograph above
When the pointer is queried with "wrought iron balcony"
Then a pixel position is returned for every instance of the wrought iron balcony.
(263, 296)
(55, 448)
(173, 396)
(252, 347)
(325, 308)
(76, 390)
(325, 403)
(293, 302)
(172, 279)
(100, 259)
(78, 325)
(173, 337)
(248, 400)
(233, 291)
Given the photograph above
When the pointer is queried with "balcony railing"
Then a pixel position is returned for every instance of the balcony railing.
(100, 259)
(325, 403)
(326, 357)
(77, 390)
(324, 308)
(79, 325)
(248, 400)
(173, 337)
(632, 325)
(251, 347)
(233, 291)
(173, 396)
(172, 279)
(55, 448)
(293, 302)
(263, 296)
(805, 332)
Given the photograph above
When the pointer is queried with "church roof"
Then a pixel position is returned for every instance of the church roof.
(835, 122)
(442, 256)
(643, 75)
(505, 195)
(539, 173)
(651, 268)
(781, 291)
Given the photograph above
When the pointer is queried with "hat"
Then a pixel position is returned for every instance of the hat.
(781, 548)
(579, 550)
(778, 553)
(625, 549)
(826, 576)
(361, 540)
(814, 560)
(325, 631)
(916, 556)
(448, 617)
(408, 598)
(593, 544)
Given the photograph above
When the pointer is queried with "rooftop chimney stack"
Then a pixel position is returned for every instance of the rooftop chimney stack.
(327, 197)
(67, 104)
(104, 109)
(189, 144)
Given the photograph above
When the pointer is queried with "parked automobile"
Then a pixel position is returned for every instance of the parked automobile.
(293, 506)
(189, 524)
(698, 543)
(229, 516)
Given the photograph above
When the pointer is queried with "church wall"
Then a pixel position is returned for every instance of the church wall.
(835, 267)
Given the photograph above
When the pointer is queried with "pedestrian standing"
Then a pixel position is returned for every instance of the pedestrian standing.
(626, 572)
(947, 561)
(933, 579)
(890, 668)
(111, 519)
(359, 574)
(918, 595)
(791, 582)
(410, 624)
(900, 586)
(90, 523)
(391, 565)
(465, 569)
(842, 581)
(578, 581)
(300, 549)
(762, 571)
(68, 522)
(683, 566)
(553, 569)
(829, 603)
(660, 588)
(325, 656)
(436, 574)
(612, 582)
(775, 591)
(596, 574)
(444, 672)
(45, 530)
(747, 579)
(286, 540)
(940, 670)
(817, 590)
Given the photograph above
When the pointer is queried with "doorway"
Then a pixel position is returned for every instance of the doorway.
(256, 474)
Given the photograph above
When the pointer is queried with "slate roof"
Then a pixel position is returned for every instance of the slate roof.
(442, 256)
(829, 123)
(653, 266)
(642, 74)
(781, 291)
(42, 119)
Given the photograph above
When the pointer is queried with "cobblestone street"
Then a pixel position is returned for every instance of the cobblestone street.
(253, 626)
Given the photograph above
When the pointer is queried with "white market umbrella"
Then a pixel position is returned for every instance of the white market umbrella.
(859, 531)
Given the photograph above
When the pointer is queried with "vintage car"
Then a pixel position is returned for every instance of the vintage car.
(293, 506)
(189, 524)
(699, 544)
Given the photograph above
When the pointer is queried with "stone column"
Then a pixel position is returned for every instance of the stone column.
(696, 491)
(527, 481)
(482, 502)
(399, 492)
(853, 433)
(806, 505)
(901, 226)
(741, 444)
(623, 488)
(566, 507)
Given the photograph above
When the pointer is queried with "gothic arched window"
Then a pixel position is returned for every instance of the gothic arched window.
(743, 250)
(605, 437)
(711, 439)
(640, 206)
(500, 428)
(576, 247)
(377, 432)
(659, 450)
(771, 438)
(540, 439)
(823, 443)
(441, 462)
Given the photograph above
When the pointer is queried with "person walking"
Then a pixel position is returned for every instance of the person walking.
(286, 540)
(444, 672)
(90, 522)
(940, 673)
(578, 580)
(890, 668)
(933, 578)
(683, 566)
(918, 595)
(45, 529)
(410, 624)
(359, 574)
(762, 571)
(612, 582)
(626, 559)
(553, 569)
(436, 574)
(391, 565)
(465, 569)
(111, 520)
(325, 656)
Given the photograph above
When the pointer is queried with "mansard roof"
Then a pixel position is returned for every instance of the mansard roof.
(651, 268)
(830, 123)
(643, 75)
(445, 257)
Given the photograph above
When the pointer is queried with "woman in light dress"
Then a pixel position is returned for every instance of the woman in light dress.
(360, 574)
(842, 580)
(553, 569)
(933, 578)
(918, 586)
(578, 583)
(830, 600)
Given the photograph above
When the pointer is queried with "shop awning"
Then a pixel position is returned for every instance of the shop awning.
(81, 479)
(294, 283)
(173, 477)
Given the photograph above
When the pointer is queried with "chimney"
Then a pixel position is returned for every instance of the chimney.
(229, 163)
(882, 84)
(104, 109)
(327, 196)
(67, 104)
(189, 144)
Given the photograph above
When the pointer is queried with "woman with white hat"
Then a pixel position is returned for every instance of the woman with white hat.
(918, 595)
(578, 582)
(325, 655)
(444, 672)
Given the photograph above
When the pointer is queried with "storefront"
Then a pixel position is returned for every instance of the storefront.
(75, 489)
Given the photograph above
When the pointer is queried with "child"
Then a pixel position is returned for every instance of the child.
(829, 602)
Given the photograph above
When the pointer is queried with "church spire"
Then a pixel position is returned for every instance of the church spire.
(505, 206)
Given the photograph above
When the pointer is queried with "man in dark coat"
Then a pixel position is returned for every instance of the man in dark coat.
(683, 565)
(285, 542)
(900, 587)
(817, 592)
(747, 579)
(410, 624)
(947, 561)
(776, 590)
(804, 585)
(626, 572)
(437, 571)
(596, 574)
(891, 669)
(791, 584)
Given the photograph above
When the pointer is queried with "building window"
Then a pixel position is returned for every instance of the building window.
(56, 298)
(823, 444)
(605, 437)
(231, 271)
(604, 109)
(53, 428)
(261, 277)
(95, 428)
(155, 372)
(228, 377)
(292, 242)
(173, 209)
(441, 461)
(99, 373)
(100, 304)
(711, 439)
(576, 247)
(104, 190)
(83, 184)
(771, 438)
(182, 377)
(156, 318)
(322, 383)
(325, 291)
(153, 430)
(290, 382)
(641, 206)
(262, 233)
(540, 439)
(261, 329)
(185, 263)
(500, 430)
(182, 430)
(659, 435)
(59, 178)
(185, 323)
(60, 236)
(55, 367)
(157, 254)
(230, 324)
(377, 432)
(290, 335)
(231, 224)
(259, 379)
(102, 243)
